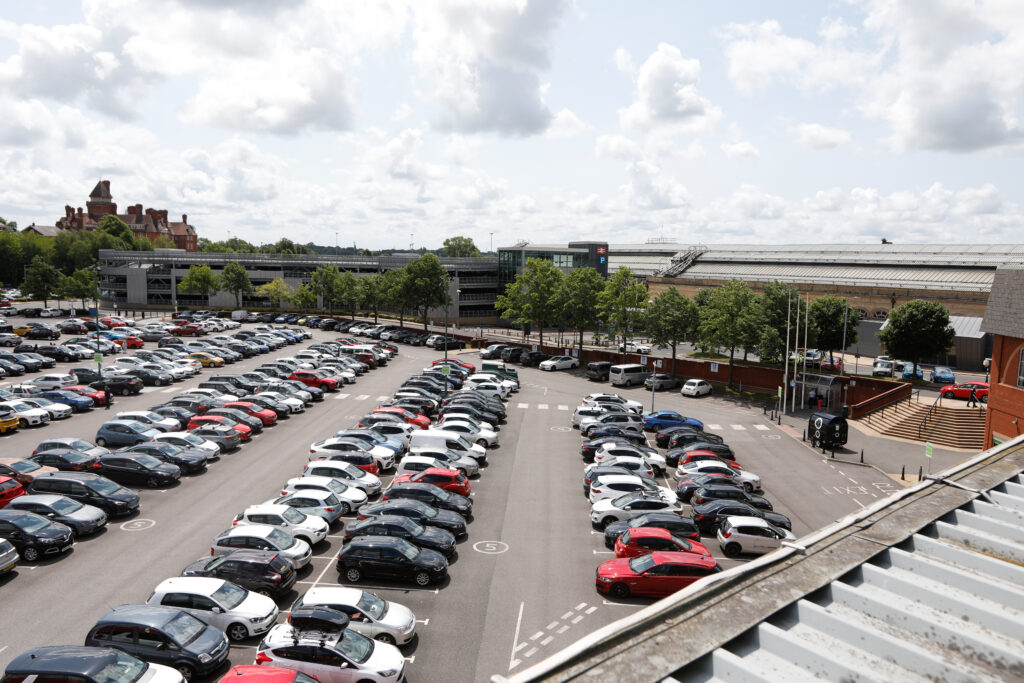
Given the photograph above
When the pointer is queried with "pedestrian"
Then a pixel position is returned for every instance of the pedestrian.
(106, 396)
(972, 400)
(810, 399)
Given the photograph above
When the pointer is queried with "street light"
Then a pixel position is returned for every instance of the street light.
(96, 299)
(846, 312)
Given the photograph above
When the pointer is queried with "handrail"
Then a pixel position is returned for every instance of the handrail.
(882, 400)
(924, 420)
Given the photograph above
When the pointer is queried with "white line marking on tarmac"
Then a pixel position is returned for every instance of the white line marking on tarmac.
(713, 426)
(551, 625)
(739, 428)
(601, 552)
(591, 610)
(858, 502)
(852, 480)
(542, 406)
(536, 635)
(411, 660)
(361, 397)
(620, 604)
(578, 619)
(564, 629)
(529, 653)
(383, 398)
(168, 391)
(546, 641)
(581, 605)
(523, 405)
(763, 428)
(512, 661)
(425, 622)
(567, 614)
(520, 646)
(562, 407)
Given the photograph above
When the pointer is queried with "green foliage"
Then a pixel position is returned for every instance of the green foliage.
(235, 279)
(277, 290)
(40, 280)
(117, 228)
(623, 302)
(325, 282)
(304, 297)
(533, 297)
(200, 280)
(347, 291)
(460, 247)
(731, 318)
(777, 301)
(371, 292)
(577, 298)
(80, 285)
(671, 319)
(827, 316)
(426, 285)
(918, 330)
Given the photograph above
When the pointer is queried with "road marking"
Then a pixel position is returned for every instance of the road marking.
(523, 405)
(168, 390)
(561, 407)
(763, 428)
(411, 660)
(581, 605)
(3, 648)
(601, 552)
(591, 610)
(551, 625)
(512, 661)
(536, 635)
(564, 629)
(739, 428)
(425, 622)
(338, 397)
(382, 398)
(529, 653)
(713, 426)
(361, 397)
(520, 646)
(578, 619)
(542, 406)
(621, 604)
(857, 502)
(546, 641)
(335, 535)
(852, 480)
(567, 614)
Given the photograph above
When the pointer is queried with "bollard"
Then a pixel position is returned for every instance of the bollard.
(803, 437)
(903, 473)
(862, 455)
(764, 410)
(833, 451)
(823, 449)
(920, 473)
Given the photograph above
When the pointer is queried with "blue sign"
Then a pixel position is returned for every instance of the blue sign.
(602, 260)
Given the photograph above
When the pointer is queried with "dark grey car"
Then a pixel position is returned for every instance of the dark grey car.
(83, 519)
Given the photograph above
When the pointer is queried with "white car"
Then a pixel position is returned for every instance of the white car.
(329, 657)
(148, 417)
(27, 389)
(635, 347)
(308, 528)
(190, 440)
(487, 438)
(28, 416)
(630, 505)
(608, 451)
(369, 614)
(630, 421)
(57, 411)
(695, 387)
(750, 535)
(346, 473)
(239, 613)
(633, 406)
(55, 380)
(609, 486)
(413, 463)
(385, 457)
(751, 482)
(488, 388)
(637, 466)
(176, 372)
(212, 393)
(459, 414)
(294, 404)
(194, 367)
(262, 537)
(559, 363)
(586, 410)
(130, 361)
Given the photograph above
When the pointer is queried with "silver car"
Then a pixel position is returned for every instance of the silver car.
(371, 615)
(57, 411)
(323, 503)
(8, 556)
(346, 473)
(452, 460)
(154, 420)
(83, 519)
(262, 537)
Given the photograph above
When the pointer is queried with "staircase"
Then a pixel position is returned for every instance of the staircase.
(946, 426)
(681, 261)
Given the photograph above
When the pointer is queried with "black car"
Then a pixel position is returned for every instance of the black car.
(431, 495)
(85, 375)
(149, 378)
(124, 385)
(590, 447)
(31, 364)
(72, 663)
(176, 412)
(493, 351)
(90, 489)
(512, 354)
(707, 516)
(266, 573)
(197, 404)
(65, 459)
(665, 434)
(678, 526)
(281, 410)
(446, 343)
(687, 485)
(10, 366)
(402, 527)
(534, 358)
(138, 468)
(711, 492)
(34, 536)
(189, 461)
(42, 332)
(602, 470)
(390, 558)
(418, 511)
(72, 327)
(722, 450)
(56, 353)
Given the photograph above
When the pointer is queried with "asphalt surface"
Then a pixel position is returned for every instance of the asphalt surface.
(522, 585)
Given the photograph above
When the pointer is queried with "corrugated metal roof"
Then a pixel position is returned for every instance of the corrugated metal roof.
(639, 263)
(968, 327)
(926, 585)
(958, 255)
(889, 276)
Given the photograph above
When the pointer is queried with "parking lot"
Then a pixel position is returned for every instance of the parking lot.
(523, 582)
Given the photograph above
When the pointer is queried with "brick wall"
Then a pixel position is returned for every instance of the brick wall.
(1005, 399)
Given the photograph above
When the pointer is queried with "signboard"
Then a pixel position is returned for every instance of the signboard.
(928, 449)
(714, 367)
(792, 383)
(576, 353)
(657, 363)
(566, 352)
(98, 358)
(446, 370)
(534, 347)
(853, 382)
(602, 260)
(602, 250)
(778, 394)
(643, 360)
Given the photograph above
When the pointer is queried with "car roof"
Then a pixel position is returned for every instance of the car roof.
(201, 585)
(310, 493)
(41, 498)
(335, 594)
(154, 616)
(267, 508)
(649, 532)
(620, 478)
(371, 541)
(62, 659)
(748, 521)
(670, 557)
(260, 530)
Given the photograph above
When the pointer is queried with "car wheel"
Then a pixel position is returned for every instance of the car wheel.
(353, 575)
(422, 578)
(748, 487)
(620, 590)
(481, 442)
(125, 392)
(237, 631)
(30, 553)
(153, 482)
(731, 549)
(385, 638)
(23, 423)
(606, 521)
(344, 508)
(984, 399)
(186, 671)
(101, 442)
(265, 591)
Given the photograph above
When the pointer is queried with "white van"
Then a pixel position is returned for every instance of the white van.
(239, 315)
(443, 438)
(627, 375)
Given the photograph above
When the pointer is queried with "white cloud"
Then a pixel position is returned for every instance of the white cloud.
(566, 125)
(650, 188)
(667, 95)
(817, 136)
(624, 61)
(616, 147)
(744, 149)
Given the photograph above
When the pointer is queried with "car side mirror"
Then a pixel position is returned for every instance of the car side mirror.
(216, 610)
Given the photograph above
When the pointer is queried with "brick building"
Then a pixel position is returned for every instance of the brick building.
(1004, 318)
(148, 223)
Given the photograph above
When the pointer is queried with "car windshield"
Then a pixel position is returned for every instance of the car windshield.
(623, 500)
(24, 466)
(425, 510)
(184, 628)
(280, 539)
(412, 527)
(356, 647)
(372, 605)
(229, 595)
(330, 499)
(124, 669)
(293, 516)
(65, 506)
(104, 486)
(30, 523)
(80, 445)
(193, 439)
(410, 551)
(147, 461)
(641, 563)
(74, 457)
(336, 486)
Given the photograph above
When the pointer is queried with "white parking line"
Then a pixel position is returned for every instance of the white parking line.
(561, 407)
(739, 428)
(621, 604)
(529, 653)
(542, 406)
(338, 397)
(512, 661)
(523, 405)
(564, 628)
(546, 641)
(361, 397)
(536, 635)
(169, 390)
(601, 552)
(763, 428)
(567, 614)
(578, 619)
(551, 625)
(591, 610)
(581, 605)
(713, 426)
(383, 398)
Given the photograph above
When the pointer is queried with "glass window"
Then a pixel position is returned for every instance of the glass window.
(1020, 370)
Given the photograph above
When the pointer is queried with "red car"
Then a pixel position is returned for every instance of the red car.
(9, 490)
(698, 455)
(421, 421)
(97, 396)
(964, 391)
(186, 330)
(111, 323)
(254, 673)
(449, 480)
(311, 379)
(267, 417)
(128, 342)
(648, 539)
(835, 365)
(452, 361)
(244, 431)
(655, 574)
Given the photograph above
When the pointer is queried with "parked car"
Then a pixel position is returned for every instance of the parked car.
(402, 527)
(90, 489)
(655, 574)
(124, 433)
(309, 528)
(138, 468)
(664, 418)
(262, 537)
(86, 665)
(22, 471)
(189, 461)
(559, 363)
(941, 374)
(390, 558)
(642, 540)
(369, 614)
(695, 387)
(659, 381)
(629, 505)
(10, 489)
(963, 391)
(679, 526)
(708, 516)
(261, 571)
(236, 612)
(83, 519)
(751, 535)
(34, 536)
(418, 511)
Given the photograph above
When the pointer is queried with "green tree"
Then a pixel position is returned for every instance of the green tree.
(828, 314)
(200, 280)
(304, 297)
(371, 292)
(460, 247)
(325, 282)
(623, 303)
(117, 228)
(40, 280)
(235, 279)
(426, 285)
(533, 297)
(8, 226)
(277, 291)
(81, 284)
(396, 294)
(347, 292)
(918, 330)
(777, 301)
(164, 242)
(671, 319)
(728, 318)
(11, 261)
(577, 297)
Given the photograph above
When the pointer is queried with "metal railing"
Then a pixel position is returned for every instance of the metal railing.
(937, 403)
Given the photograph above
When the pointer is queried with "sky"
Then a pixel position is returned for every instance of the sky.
(390, 123)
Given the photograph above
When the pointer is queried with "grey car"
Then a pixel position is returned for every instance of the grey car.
(662, 380)
(71, 443)
(222, 435)
(319, 503)
(83, 519)
(262, 537)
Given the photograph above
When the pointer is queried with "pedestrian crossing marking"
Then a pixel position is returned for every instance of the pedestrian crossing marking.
(739, 428)
(523, 405)
(361, 397)
(338, 397)
(763, 428)
(542, 406)
(382, 398)
(713, 426)
(168, 390)
(563, 407)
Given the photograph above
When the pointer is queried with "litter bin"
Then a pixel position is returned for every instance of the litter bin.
(827, 430)
(846, 411)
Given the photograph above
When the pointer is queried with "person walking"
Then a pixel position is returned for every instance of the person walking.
(972, 400)
(106, 396)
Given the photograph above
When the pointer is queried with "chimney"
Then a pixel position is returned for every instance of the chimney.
(184, 218)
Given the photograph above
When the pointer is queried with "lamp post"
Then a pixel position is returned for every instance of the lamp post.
(98, 357)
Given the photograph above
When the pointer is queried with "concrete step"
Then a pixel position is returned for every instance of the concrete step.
(945, 426)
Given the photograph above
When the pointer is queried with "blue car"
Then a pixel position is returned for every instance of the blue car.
(908, 371)
(942, 375)
(281, 318)
(119, 433)
(77, 402)
(669, 418)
